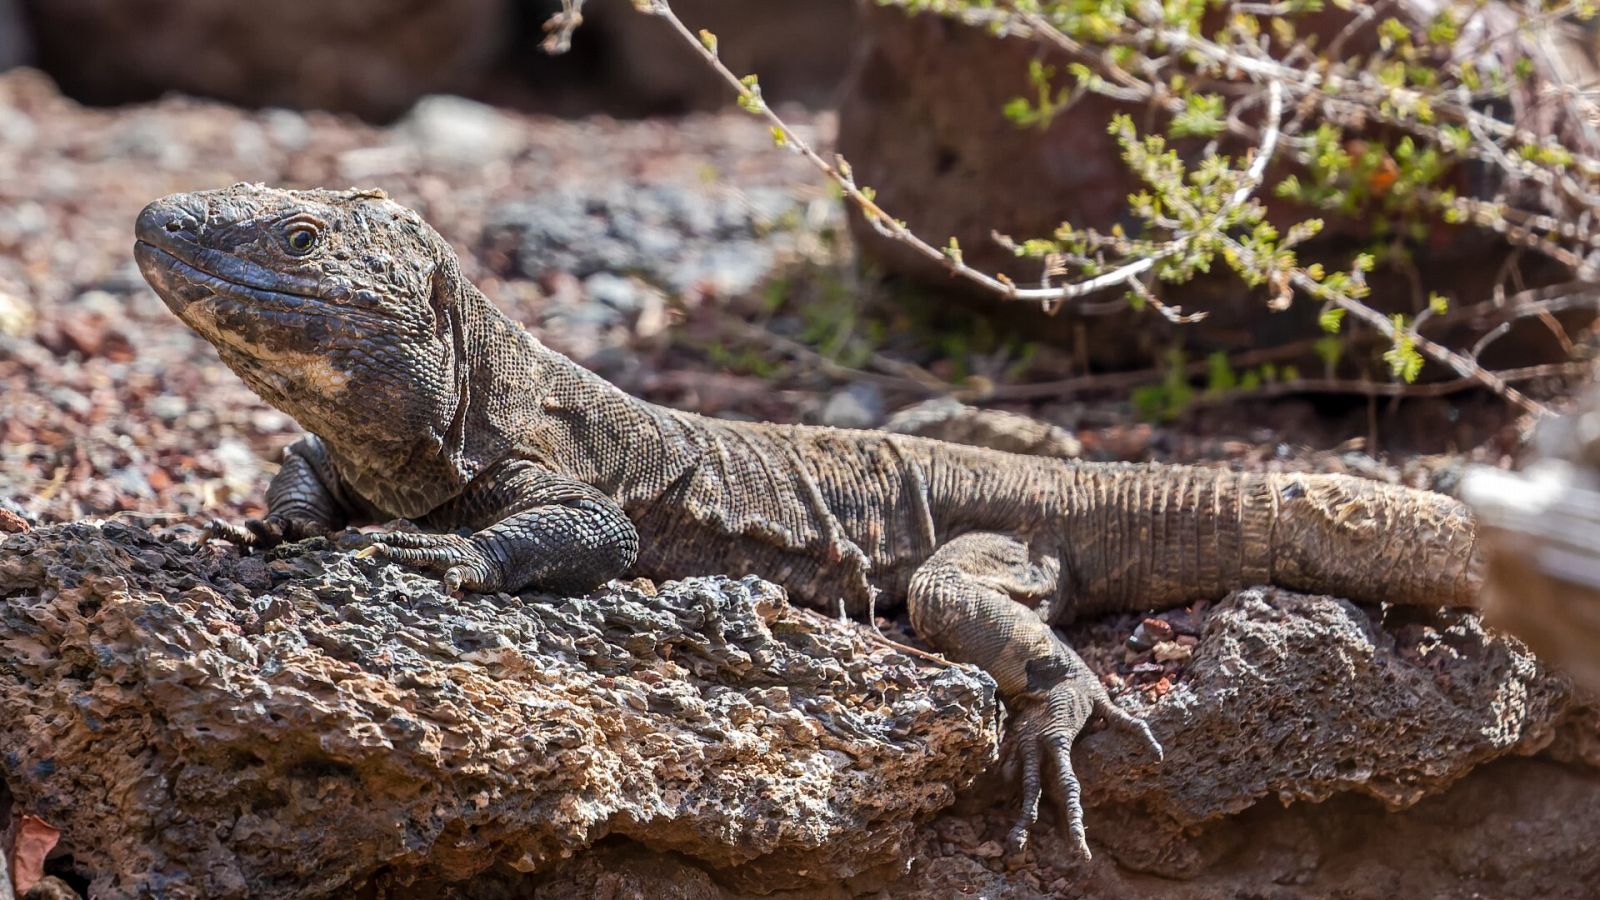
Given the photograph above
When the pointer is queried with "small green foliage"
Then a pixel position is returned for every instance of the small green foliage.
(1330, 349)
(750, 95)
(1392, 32)
(1404, 361)
(1047, 102)
(1171, 398)
(1202, 116)
(1331, 319)
(1220, 377)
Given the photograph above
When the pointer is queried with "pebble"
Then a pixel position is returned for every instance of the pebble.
(456, 132)
(625, 295)
(989, 850)
(1171, 651)
(12, 523)
(167, 407)
(16, 316)
(1149, 633)
(860, 405)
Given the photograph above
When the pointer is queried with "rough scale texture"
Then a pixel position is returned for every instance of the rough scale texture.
(348, 312)
(293, 724)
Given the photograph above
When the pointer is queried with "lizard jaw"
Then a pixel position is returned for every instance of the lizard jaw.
(167, 274)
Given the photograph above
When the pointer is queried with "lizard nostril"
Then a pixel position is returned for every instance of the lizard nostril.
(174, 225)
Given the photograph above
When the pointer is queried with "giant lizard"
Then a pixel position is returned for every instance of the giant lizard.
(423, 401)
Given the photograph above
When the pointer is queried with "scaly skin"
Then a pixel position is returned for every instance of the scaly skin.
(350, 314)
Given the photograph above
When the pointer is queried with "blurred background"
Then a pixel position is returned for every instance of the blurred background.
(375, 58)
(616, 201)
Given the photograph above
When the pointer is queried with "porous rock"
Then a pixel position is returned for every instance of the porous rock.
(289, 724)
(1393, 743)
(1299, 698)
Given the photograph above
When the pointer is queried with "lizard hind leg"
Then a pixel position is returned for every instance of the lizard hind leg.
(975, 600)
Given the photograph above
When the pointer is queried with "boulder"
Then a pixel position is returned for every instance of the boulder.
(16, 47)
(294, 724)
(370, 57)
(1299, 698)
(685, 240)
(305, 723)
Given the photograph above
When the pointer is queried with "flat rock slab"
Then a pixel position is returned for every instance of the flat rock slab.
(287, 724)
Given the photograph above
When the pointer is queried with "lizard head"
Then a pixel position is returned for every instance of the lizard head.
(335, 307)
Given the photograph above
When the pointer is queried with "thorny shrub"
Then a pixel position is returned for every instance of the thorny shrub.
(1372, 133)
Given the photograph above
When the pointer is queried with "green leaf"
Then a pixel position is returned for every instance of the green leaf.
(1331, 319)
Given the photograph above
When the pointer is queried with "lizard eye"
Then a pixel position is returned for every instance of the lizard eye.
(302, 237)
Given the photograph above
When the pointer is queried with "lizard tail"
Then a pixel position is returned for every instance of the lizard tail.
(1167, 534)
(1371, 541)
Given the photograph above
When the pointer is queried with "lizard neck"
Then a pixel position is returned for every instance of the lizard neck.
(522, 399)
(457, 433)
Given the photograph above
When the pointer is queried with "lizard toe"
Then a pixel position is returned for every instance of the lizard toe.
(1047, 723)
(462, 563)
(1029, 754)
(474, 576)
(1069, 794)
(259, 533)
(220, 530)
(414, 539)
(263, 533)
(1121, 718)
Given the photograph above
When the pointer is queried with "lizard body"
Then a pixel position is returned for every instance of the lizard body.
(422, 400)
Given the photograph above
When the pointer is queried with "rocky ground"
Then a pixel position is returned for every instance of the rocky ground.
(695, 265)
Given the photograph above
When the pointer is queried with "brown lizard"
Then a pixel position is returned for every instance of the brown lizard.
(349, 313)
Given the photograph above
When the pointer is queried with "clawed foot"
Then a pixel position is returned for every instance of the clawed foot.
(263, 534)
(463, 562)
(1045, 727)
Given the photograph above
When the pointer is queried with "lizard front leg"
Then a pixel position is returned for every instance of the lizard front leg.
(968, 600)
(534, 528)
(302, 501)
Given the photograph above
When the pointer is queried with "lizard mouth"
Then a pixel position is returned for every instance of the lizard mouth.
(182, 282)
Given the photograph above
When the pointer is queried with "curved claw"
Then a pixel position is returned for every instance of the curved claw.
(1121, 718)
(217, 529)
(264, 533)
(462, 562)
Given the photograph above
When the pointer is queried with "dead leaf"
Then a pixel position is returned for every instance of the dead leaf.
(35, 839)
